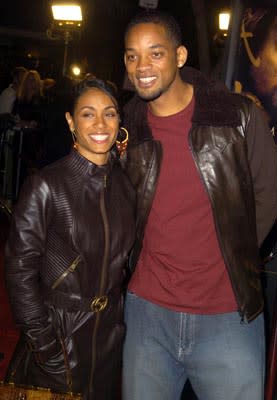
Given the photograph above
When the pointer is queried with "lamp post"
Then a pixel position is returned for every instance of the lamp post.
(222, 29)
(66, 41)
(67, 18)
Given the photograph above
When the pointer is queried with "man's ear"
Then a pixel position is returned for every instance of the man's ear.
(182, 55)
(70, 122)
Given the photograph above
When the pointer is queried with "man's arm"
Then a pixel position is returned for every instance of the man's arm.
(262, 155)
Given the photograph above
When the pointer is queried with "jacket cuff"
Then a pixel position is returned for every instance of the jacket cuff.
(43, 343)
(46, 352)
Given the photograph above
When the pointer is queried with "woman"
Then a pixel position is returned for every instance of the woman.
(71, 233)
(28, 105)
(29, 109)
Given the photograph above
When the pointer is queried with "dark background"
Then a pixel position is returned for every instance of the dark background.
(98, 47)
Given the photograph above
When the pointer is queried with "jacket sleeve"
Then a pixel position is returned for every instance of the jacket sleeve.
(262, 155)
(23, 257)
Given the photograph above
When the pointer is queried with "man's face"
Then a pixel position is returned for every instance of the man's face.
(152, 60)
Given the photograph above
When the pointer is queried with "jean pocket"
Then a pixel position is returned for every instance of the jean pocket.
(131, 295)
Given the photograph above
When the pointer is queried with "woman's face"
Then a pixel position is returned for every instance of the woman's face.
(95, 122)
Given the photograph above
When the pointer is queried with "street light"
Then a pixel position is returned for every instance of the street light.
(67, 12)
(67, 18)
(75, 70)
(222, 29)
(223, 21)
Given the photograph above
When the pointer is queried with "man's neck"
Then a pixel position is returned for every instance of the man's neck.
(173, 102)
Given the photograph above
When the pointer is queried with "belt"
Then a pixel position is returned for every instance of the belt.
(76, 303)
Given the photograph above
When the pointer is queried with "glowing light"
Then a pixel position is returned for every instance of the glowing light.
(224, 19)
(76, 70)
(67, 12)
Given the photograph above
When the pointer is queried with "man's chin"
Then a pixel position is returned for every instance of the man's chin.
(148, 96)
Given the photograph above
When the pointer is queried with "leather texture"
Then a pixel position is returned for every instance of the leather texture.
(237, 163)
(70, 209)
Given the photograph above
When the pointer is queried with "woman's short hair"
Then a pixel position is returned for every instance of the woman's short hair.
(107, 87)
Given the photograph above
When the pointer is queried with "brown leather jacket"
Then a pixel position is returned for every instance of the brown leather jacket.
(70, 236)
(236, 158)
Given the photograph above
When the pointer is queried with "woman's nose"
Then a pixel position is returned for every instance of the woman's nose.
(99, 120)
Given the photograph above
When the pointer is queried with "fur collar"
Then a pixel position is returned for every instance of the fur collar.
(215, 105)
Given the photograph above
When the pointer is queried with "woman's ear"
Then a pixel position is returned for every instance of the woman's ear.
(70, 122)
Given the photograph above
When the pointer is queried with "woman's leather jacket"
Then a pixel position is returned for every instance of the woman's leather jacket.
(71, 232)
(237, 163)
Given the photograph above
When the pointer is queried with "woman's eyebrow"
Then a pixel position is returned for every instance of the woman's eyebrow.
(93, 108)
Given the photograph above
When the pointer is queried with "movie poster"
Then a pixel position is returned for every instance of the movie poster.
(256, 76)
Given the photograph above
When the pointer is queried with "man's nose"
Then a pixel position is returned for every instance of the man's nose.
(143, 63)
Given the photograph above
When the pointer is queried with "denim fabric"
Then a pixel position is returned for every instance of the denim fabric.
(222, 356)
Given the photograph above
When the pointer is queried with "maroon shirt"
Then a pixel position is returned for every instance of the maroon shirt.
(180, 265)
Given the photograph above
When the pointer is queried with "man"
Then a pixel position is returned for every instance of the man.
(204, 166)
(8, 95)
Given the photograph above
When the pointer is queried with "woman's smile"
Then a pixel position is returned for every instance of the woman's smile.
(99, 138)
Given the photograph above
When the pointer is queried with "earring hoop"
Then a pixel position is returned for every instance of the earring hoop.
(73, 134)
(122, 145)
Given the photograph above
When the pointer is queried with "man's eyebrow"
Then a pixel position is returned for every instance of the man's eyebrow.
(90, 107)
(157, 46)
(154, 46)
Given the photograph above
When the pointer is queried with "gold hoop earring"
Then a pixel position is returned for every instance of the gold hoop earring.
(122, 145)
(73, 134)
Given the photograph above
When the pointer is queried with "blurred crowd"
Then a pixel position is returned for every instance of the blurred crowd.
(36, 106)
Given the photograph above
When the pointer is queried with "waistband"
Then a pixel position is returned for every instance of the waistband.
(72, 302)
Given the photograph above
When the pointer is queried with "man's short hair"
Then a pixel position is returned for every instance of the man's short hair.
(169, 23)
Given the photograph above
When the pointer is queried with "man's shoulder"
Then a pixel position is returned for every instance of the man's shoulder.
(133, 104)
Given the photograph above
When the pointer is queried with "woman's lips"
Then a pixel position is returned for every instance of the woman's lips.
(99, 137)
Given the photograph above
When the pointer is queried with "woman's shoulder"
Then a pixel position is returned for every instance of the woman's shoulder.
(53, 172)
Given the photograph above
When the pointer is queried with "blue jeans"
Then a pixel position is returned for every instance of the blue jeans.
(221, 356)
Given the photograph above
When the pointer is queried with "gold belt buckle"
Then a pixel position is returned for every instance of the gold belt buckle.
(99, 303)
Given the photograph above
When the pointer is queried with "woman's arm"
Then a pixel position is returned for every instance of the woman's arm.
(23, 257)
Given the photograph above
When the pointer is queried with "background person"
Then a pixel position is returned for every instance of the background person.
(56, 141)
(28, 105)
(204, 166)
(8, 95)
(30, 112)
(70, 235)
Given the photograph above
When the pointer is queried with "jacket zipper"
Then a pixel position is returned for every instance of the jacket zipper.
(218, 237)
(102, 277)
(69, 270)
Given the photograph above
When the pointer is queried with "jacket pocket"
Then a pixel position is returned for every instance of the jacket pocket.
(69, 270)
(64, 361)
